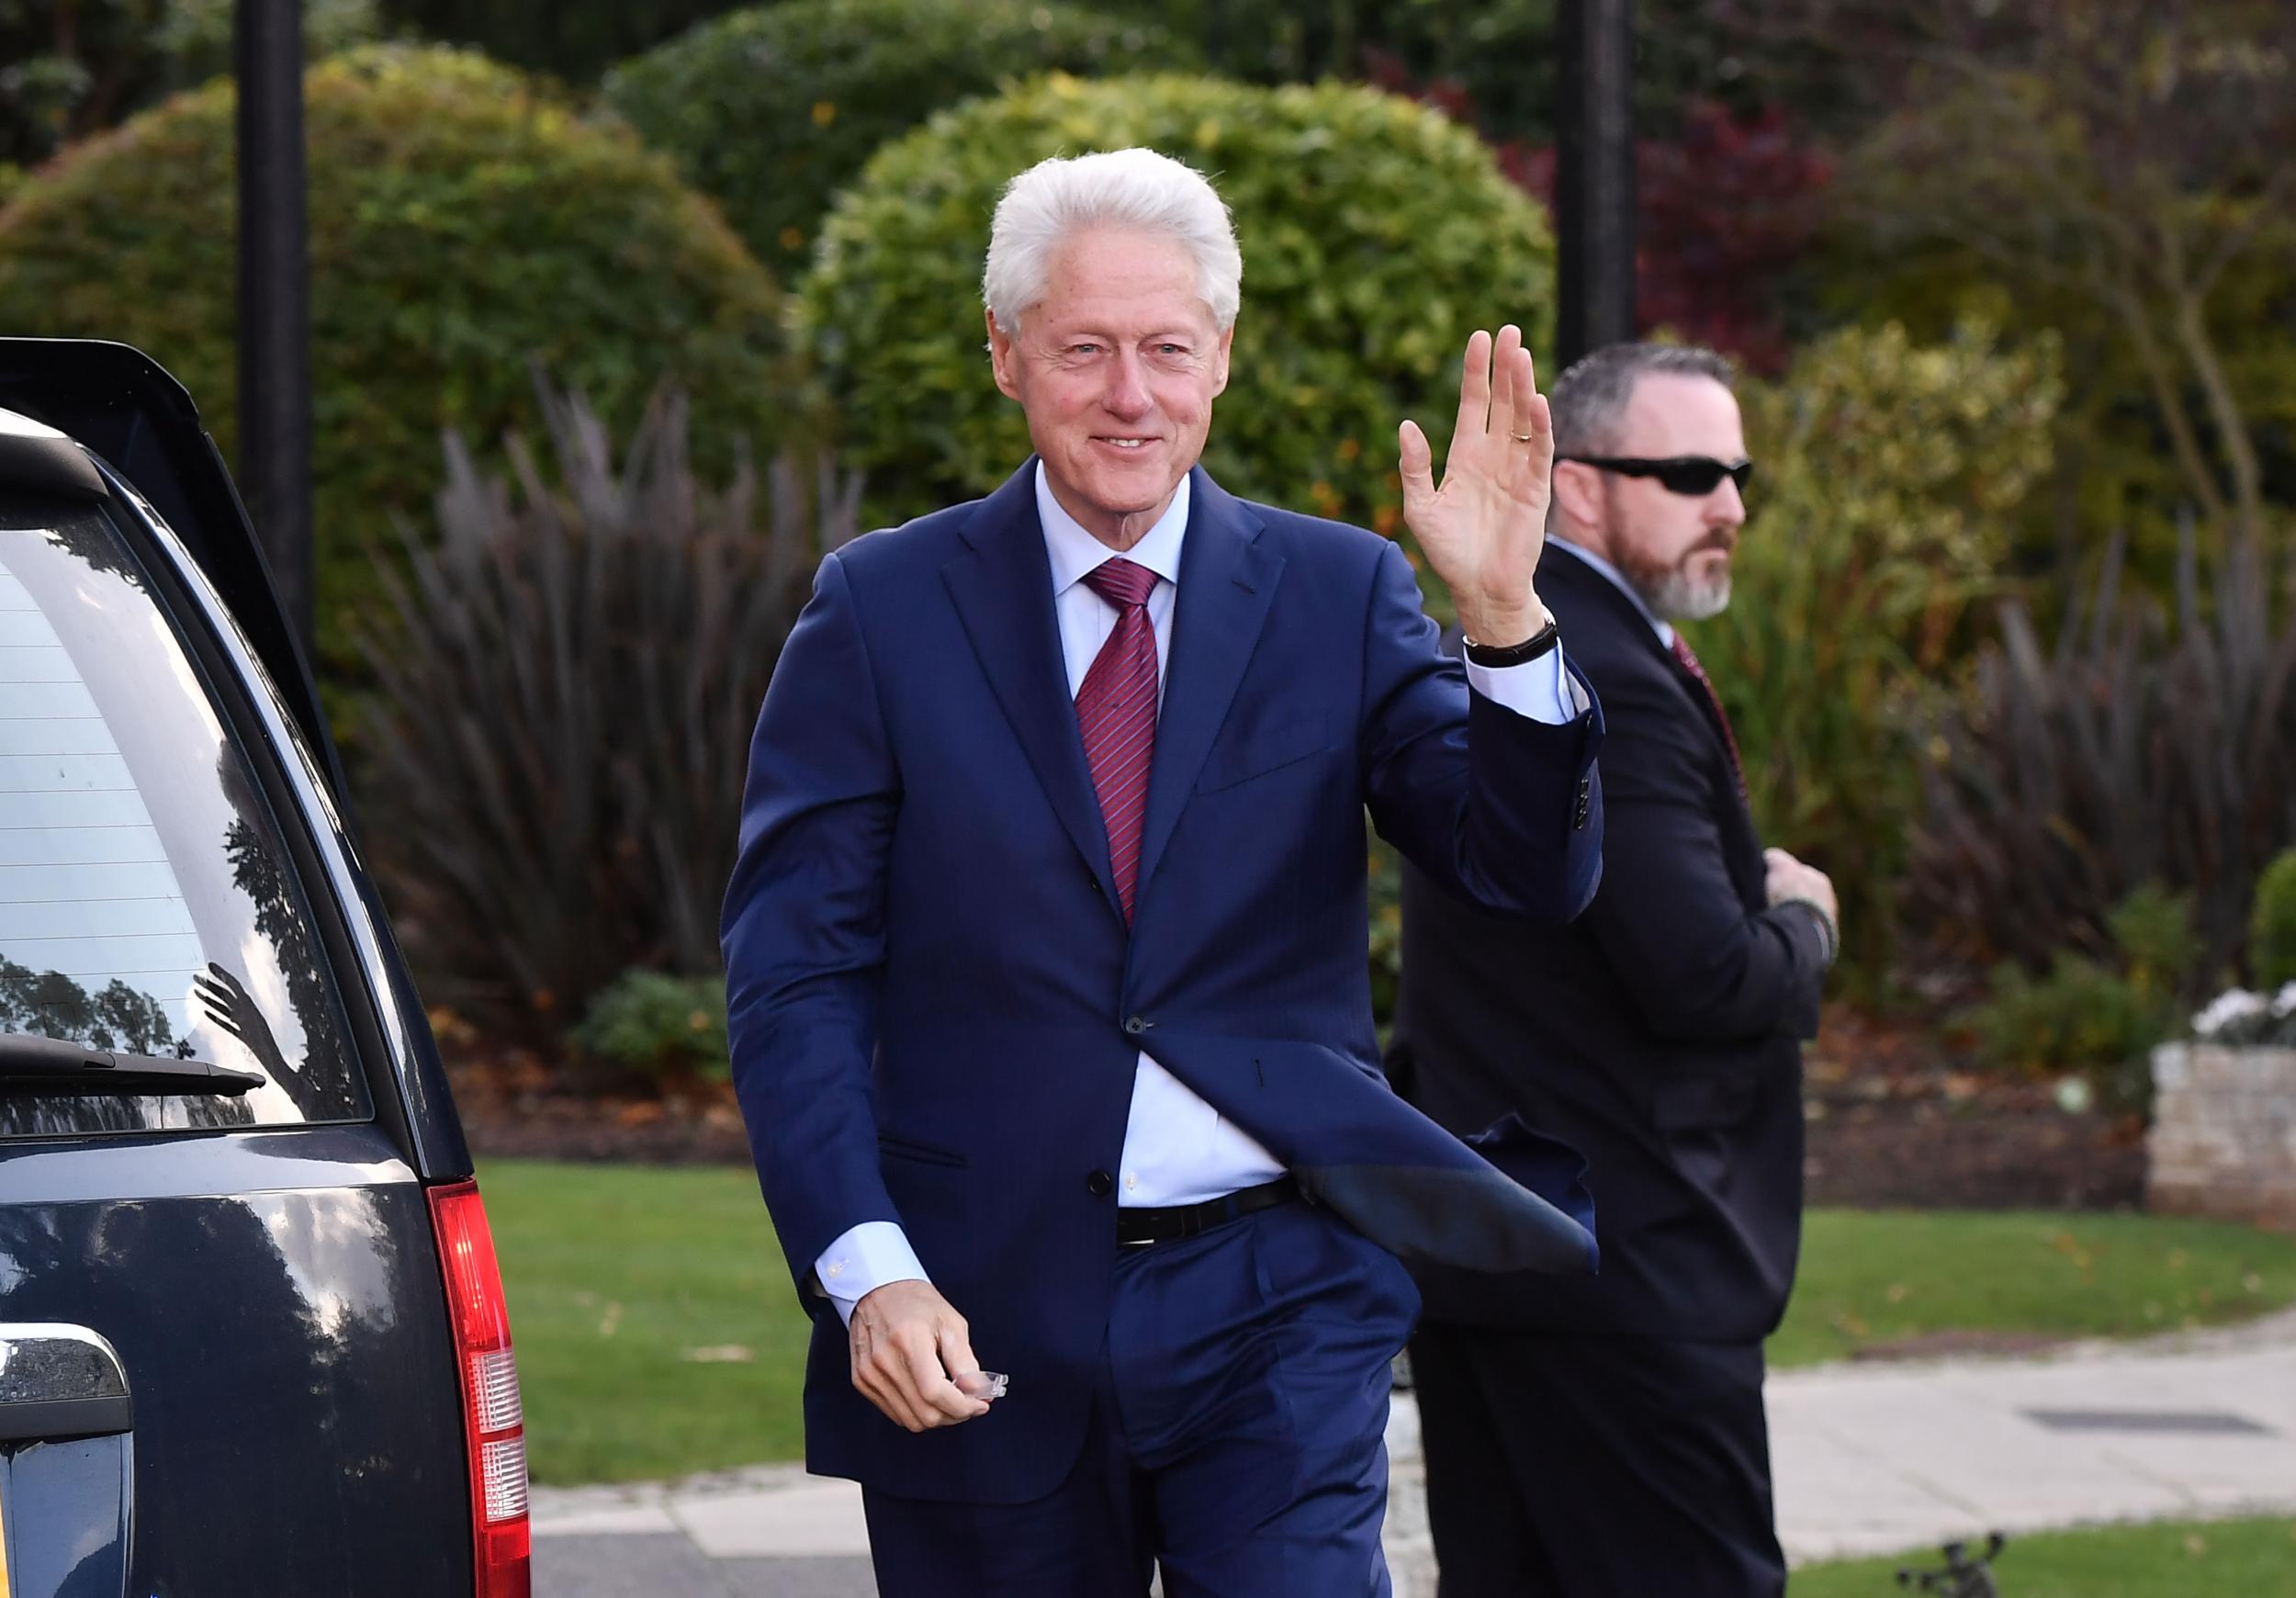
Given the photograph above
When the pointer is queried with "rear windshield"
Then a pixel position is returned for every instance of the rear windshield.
(147, 902)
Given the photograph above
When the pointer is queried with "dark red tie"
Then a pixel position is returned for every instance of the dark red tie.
(1116, 712)
(1684, 653)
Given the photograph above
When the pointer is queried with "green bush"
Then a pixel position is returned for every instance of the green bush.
(2077, 1016)
(772, 112)
(2161, 951)
(1376, 237)
(2126, 184)
(2272, 925)
(661, 1025)
(1886, 475)
(2096, 1013)
(463, 222)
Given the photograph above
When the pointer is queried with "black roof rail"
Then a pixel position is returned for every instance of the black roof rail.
(35, 455)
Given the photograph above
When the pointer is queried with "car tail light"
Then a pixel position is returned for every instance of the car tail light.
(493, 1422)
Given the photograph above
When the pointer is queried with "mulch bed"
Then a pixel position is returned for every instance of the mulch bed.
(1898, 1117)
(514, 1107)
(1895, 1116)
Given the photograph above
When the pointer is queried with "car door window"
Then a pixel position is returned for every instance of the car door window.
(148, 901)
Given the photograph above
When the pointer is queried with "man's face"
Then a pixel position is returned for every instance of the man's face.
(1674, 548)
(1117, 368)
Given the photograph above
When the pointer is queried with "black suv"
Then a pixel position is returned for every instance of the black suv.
(252, 1341)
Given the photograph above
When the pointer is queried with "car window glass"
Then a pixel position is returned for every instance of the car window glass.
(148, 902)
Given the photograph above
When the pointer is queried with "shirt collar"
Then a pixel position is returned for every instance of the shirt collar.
(1618, 579)
(1075, 552)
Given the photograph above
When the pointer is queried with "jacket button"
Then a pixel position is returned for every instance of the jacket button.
(1099, 1184)
(1135, 1026)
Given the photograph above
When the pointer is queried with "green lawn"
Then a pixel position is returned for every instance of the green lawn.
(1877, 1275)
(2232, 1559)
(656, 1329)
(658, 1335)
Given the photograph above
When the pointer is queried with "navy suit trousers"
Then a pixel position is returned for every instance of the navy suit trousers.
(1237, 1435)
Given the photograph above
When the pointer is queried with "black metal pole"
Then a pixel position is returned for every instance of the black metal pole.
(1594, 175)
(274, 320)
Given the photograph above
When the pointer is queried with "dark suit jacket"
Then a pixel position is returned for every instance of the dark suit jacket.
(936, 1004)
(1658, 1033)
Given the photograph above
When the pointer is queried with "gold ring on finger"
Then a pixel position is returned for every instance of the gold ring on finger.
(1523, 437)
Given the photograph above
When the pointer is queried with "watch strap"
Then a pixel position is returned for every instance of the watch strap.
(1498, 657)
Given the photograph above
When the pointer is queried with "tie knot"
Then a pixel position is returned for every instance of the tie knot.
(1122, 582)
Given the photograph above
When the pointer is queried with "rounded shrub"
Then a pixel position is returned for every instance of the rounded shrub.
(772, 112)
(1375, 236)
(2272, 924)
(464, 223)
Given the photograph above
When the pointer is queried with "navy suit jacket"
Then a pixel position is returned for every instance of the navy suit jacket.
(936, 1004)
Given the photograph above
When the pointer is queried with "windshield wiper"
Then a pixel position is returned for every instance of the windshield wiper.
(30, 1063)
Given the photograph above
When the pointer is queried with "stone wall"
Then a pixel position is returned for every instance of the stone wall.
(2223, 1137)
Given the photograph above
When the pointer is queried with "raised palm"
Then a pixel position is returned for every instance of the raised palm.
(1483, 528)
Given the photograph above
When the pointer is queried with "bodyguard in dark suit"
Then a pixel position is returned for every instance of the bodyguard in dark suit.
(1044, 947)
(1603, 1437)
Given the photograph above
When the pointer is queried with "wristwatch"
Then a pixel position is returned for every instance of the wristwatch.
(1530, 649)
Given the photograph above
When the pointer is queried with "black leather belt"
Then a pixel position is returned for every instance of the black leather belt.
(1173, 1222)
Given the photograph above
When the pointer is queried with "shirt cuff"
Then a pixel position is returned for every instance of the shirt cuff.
(1543, 689)
(864, 1259)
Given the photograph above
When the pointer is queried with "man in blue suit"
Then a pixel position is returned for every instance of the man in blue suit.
(1045, 946)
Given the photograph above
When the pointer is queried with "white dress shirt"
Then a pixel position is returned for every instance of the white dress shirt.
(1177, 1148)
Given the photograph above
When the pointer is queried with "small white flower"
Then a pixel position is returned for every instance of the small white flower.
(2072, 1095)
(2233, 1005)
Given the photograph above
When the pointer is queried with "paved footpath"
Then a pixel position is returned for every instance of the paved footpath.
(1869, 1458)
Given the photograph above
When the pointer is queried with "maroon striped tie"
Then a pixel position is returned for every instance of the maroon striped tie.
(1116, 712)
(1688, 659)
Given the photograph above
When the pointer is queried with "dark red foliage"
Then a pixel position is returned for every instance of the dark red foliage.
(1726, 209)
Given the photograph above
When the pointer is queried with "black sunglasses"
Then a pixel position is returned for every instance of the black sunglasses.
(1696, 474)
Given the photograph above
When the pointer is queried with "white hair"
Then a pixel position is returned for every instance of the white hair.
(1116, 188)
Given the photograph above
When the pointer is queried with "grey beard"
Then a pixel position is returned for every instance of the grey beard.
(1672, 596)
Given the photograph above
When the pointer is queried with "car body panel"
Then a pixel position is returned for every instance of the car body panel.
(274, 1297)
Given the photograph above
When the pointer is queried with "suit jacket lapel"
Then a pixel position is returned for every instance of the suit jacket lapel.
(1566, 570)
(1226, 583)
(1003, 590)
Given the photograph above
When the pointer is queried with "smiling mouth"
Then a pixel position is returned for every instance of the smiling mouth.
(1128, 444)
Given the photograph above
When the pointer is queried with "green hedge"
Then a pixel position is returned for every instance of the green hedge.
(1888, 477)
(463, 222)
(1376, 237)
(772, 112)
(2272, 925)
